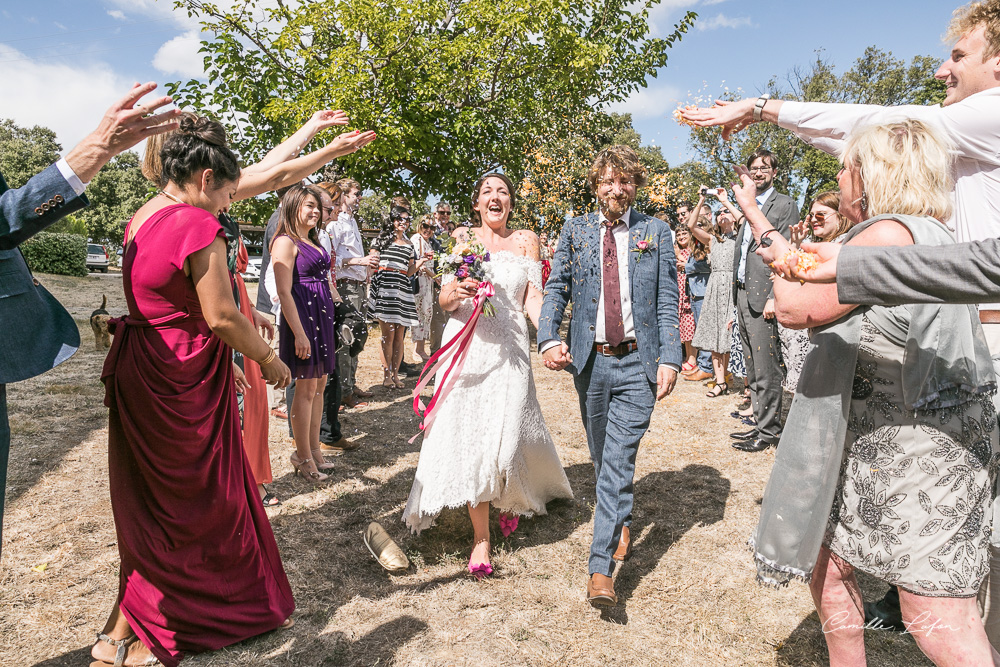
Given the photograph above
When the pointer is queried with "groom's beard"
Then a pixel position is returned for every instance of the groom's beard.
(615, 207)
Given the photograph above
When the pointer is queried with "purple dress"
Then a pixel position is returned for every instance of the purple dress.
(314, 303)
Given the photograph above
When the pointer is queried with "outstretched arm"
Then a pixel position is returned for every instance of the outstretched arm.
(960, 273)
(292, 171)
(291, 147)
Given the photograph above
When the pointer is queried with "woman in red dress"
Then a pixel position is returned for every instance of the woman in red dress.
(199, 565)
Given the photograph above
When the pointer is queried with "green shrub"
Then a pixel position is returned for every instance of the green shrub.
(65, 254)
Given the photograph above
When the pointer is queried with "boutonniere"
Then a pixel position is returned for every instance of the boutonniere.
(644, 246)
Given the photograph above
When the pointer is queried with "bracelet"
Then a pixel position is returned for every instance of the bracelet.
(268, 359)
(758, 108)
(764, 241)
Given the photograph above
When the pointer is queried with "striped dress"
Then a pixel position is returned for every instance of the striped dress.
(392, 298)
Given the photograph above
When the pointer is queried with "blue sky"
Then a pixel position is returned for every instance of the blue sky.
(65, 61)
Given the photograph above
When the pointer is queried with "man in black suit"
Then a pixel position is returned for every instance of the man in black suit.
(752, 295)
(47, 333)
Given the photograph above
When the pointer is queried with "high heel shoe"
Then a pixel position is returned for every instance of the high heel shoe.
(719, 389)
(308, 475)
(479, 570)
(321, 463)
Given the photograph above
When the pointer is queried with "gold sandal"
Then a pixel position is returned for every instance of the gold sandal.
(122, 646)
(314, 477)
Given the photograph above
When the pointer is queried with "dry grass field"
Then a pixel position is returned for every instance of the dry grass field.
(688, 594)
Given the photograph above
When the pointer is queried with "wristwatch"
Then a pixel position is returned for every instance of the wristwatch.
(758, 108)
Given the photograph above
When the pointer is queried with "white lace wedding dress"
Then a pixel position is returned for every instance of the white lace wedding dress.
(488, 441)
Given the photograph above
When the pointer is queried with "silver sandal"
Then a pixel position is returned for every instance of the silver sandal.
(122, 646)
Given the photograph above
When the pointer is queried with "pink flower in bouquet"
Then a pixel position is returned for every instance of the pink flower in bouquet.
(508, 523)
(462, 272)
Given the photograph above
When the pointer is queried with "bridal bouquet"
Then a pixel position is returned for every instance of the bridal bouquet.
(466, 260)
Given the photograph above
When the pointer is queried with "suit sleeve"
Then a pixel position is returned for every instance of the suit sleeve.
(783, 216)
(667, 314)
(960, 273)
(556, 289)
(43, 200)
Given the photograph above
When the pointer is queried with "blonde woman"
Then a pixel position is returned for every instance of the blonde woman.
(894, 464)
(421, 332)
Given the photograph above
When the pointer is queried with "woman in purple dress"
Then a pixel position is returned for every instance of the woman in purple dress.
(307, 340)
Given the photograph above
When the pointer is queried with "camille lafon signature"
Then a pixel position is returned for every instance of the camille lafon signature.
(921, 624)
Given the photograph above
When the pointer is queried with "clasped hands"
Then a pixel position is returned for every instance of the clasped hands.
(557, 357)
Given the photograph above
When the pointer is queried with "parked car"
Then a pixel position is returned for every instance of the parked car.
(252, 274)
(97, 257)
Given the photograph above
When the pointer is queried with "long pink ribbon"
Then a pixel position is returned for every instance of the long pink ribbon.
(457, 349)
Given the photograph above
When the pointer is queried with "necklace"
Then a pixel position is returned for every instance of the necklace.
(170, 196)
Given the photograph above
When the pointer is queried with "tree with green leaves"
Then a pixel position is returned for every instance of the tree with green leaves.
(115, 194)
(454, 88)
(804, 172)
(25, 151)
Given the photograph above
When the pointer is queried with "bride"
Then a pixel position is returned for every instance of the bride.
(488, 442)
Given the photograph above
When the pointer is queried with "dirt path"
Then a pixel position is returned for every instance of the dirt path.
(689, 594)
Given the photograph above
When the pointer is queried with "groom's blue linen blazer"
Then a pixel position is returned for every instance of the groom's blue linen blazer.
(576, 278)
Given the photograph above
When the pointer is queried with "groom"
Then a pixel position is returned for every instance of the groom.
(618, 269)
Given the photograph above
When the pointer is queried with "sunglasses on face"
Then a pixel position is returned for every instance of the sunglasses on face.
(425, 226)
(820, 217)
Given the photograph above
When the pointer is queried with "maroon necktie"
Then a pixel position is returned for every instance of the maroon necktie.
(614, 326)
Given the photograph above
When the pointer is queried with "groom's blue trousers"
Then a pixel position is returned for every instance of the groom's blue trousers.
(616, 402)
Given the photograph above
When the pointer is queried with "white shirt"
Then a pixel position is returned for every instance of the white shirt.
(422, 246)
(972, 125)
(748, 236)
(70, 176)
(324, 240)
(346, 238)
(620, 231)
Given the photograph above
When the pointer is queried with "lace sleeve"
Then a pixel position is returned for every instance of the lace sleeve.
(535, 274)
(447, 278)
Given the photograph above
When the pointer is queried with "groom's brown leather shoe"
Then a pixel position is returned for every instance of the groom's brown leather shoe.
(624, 550)
(601, 591)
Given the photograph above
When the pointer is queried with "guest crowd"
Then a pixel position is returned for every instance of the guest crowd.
(886, 459)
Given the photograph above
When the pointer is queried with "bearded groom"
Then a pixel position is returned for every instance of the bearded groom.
(617, 267)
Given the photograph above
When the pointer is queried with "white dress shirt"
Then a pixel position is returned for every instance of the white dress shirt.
(346, 238)
(620, 231)
(972, 125)
(741, 274)
(70, 176)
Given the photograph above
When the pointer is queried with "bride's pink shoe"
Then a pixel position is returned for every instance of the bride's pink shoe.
(508, 523)
(480, 570)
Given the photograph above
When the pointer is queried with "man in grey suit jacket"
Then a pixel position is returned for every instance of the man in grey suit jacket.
(46, 334)
(617, 267)
(752, 295)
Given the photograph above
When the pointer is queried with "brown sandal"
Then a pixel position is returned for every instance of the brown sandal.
(122, 646)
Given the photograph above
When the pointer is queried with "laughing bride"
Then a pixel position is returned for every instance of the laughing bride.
(488, 442)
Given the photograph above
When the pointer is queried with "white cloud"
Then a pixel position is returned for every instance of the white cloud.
(117, 14)
(656, 101)
(180, 56)
(723, 21)
(88, 90)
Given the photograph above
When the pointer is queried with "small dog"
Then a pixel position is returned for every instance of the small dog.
(99, 323)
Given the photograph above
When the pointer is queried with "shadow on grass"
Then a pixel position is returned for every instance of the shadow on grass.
(378, 647)
(693, 496)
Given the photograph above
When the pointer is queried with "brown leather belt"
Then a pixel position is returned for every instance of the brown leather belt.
(989, 316)
(616, 350)
(392, 270)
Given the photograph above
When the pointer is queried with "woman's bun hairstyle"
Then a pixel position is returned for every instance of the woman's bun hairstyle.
(198, 143)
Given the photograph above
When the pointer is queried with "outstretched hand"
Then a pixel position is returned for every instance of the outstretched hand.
(557, 357)
(732, 116)
(326, 118)
(125, 123)
(825, 270)
(349, 142)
